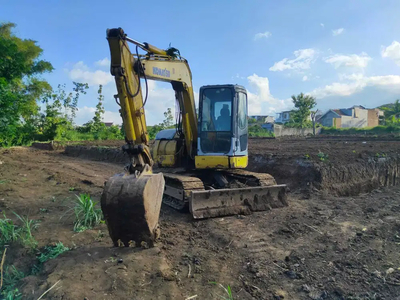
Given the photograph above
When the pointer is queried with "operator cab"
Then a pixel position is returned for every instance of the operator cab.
(222, 124)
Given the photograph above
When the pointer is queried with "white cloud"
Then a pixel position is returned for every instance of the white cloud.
(392, 51)
(303, 59)
(105, 62)
(322, 25)
(305, 78)
(261, 35)
(85, 114)
(80, 72)
(262, 102)
(352, 60)
(159, 100)
(356, 83)
(338, 31)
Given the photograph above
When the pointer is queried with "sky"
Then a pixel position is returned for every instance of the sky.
(342, 52)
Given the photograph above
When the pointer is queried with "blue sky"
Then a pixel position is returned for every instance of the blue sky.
(341, 52)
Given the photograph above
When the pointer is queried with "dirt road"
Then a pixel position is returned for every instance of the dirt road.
(323, 247)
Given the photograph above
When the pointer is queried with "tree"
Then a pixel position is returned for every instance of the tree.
(392, 112)
(60, 109)
(314, 117)
(20, 86)
(169, 119)
(299, 116)
(168, 122)
(252, 121)
(98, 115)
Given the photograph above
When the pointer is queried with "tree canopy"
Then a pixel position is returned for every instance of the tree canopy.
(20, 84)
(300, 117)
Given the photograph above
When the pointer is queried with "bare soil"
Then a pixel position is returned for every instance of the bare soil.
(319, 247)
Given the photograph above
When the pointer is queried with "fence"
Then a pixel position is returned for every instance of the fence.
(284, 131)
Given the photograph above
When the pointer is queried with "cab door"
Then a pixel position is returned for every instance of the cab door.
(241, 143)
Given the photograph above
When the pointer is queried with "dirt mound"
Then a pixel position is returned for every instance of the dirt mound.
(53, 145)
(109, 154)
(343, 167)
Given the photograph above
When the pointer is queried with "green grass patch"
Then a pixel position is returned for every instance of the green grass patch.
(227, 291)
(87, 215)
(12, 276)
(28, 225)
(10, 232)
(51, 252)
(10, 281)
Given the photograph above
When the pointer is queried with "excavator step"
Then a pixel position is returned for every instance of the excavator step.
(223, 202)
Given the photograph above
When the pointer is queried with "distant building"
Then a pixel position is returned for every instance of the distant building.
(357, 116)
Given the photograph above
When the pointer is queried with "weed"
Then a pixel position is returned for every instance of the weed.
(86, 213)
(354, 151)
(11, 278)
(228, 291)
(323, 156)
(380, 155)
(3, 181)
(36, 269)
(9, 231)
(51, 252)
(11, 294)
(43, 210)
(26, 237)
(71, 189)
(307, 156)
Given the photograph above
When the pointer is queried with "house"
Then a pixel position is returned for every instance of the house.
(264, 119)
(357, 116)
(284, 117)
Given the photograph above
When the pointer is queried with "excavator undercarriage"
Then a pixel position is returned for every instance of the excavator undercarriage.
(213, 193)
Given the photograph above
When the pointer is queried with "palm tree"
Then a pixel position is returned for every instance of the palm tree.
(392, 111)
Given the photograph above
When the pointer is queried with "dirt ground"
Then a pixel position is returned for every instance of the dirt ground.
(323, 247)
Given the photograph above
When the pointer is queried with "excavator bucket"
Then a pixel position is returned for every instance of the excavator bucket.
(131, 207)
(224, 202)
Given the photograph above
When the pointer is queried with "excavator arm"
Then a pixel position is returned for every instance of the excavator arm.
(127, 70)
(131, 201)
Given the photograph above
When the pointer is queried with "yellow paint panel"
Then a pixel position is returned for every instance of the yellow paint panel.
(206, 162)
(238, 162)
(166, 160)
(165, 152)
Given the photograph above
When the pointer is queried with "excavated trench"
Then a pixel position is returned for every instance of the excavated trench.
(300, 174)
(339, 179)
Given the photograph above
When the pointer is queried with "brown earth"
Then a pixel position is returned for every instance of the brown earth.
(323, 247)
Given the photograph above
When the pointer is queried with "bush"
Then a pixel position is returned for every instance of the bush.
(258, 131)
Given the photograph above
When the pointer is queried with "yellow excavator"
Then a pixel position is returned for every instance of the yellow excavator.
(200, 164)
